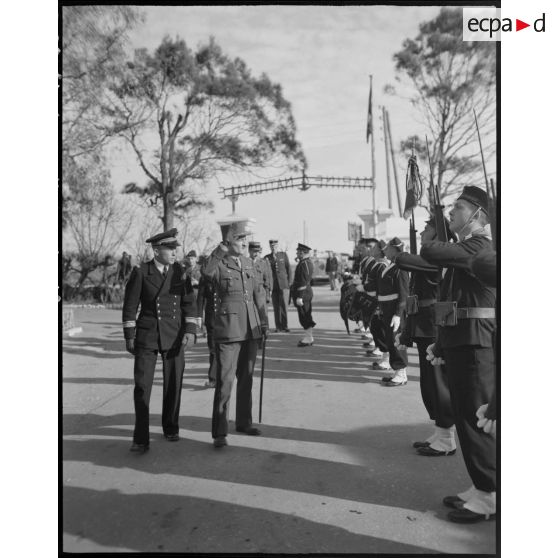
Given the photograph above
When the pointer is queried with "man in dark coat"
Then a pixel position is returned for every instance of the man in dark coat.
(466, 317)
(263, 270)
(419, 328)
(331, 268)
(240, 323)
(301, 293)
(281, 271)
(167, 318)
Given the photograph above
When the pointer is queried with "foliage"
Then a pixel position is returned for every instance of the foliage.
(450, 77)
(189, 115)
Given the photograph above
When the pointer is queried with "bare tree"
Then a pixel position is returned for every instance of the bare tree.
(450, 78)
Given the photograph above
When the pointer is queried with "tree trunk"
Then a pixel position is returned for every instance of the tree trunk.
(168, 213)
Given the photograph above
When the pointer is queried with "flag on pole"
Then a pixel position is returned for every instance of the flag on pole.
(369, 121)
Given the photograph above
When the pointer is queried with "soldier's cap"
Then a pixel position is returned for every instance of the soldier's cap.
(432, 223)
(167, 238)
(191, 254)
(235, 227)
(396, 243)
(303, 247)
(381, 245)
(370, 240)
(253, 245)
(273, 242)
(475, 195)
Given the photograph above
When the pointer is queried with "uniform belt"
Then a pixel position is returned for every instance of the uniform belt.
(426, 302)
(385, 298)
(464, 313)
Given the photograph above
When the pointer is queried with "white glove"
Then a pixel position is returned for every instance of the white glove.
(434, 360)
(299, 302)
(395, 322)
(488, 425)
(360, 288)
(398, 344)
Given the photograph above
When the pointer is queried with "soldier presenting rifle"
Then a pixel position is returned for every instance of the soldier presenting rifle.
(420, 329)
(466, 317)
(167, 318)
(240, 322)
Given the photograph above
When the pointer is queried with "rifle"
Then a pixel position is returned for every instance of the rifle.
(436, 207)
(262, 377)
(491, 191)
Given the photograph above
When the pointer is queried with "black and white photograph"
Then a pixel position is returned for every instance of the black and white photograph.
(279, 278)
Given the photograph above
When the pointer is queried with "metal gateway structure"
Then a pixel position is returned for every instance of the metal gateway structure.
(303, 183)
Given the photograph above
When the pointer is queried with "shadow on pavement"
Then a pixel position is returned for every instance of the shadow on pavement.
(173, 523)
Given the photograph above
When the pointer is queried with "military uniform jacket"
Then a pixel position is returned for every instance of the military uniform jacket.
(206, 301)
(239, 310)
(371, 272)
(424, 283)
(302, 282)
(264, 277)
(461, 286)
(280, 269)
(393, 283)
(167, 306)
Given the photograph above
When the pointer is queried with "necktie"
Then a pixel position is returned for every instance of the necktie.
(165, 269)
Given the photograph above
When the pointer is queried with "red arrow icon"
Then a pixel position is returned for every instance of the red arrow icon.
(519, 25)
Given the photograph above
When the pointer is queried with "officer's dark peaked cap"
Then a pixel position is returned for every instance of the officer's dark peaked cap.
(167, 238)
(475, 195)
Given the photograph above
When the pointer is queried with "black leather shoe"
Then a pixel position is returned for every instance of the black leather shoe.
(417, 445)
(250, 430)
(302, 344)
(139, 448)
(172, 437)
(287, 330)
(431, 452)
(454, 502)
(220, 441)
(463, 515)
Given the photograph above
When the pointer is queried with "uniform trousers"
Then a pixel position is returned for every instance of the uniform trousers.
(212, 371)
(305, 312)
(144, 370)
(397, 358)
(233, 359)
(470, 371)
(377, 332)
(434, 387)
(280, 301)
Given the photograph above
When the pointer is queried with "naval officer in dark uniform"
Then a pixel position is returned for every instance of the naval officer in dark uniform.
(281, 271)
(240, 323)
(301, 293)
(466, 319)
(419, 328)
(167, 319)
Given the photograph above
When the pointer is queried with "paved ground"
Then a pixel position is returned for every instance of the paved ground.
(334, 471)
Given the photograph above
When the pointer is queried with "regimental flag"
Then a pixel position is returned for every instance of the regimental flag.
(369, 131)
(413, 186)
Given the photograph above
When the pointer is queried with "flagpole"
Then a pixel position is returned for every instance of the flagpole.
(373, 165)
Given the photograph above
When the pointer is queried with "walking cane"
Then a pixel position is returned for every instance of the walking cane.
(262, 377)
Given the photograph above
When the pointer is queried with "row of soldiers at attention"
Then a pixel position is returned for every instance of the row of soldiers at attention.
(443, 301)
(233, 293)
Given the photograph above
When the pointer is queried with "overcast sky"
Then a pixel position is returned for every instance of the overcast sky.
(322, 56)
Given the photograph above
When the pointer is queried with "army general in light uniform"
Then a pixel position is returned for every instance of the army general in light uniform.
(167, 317)
(240, 322)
